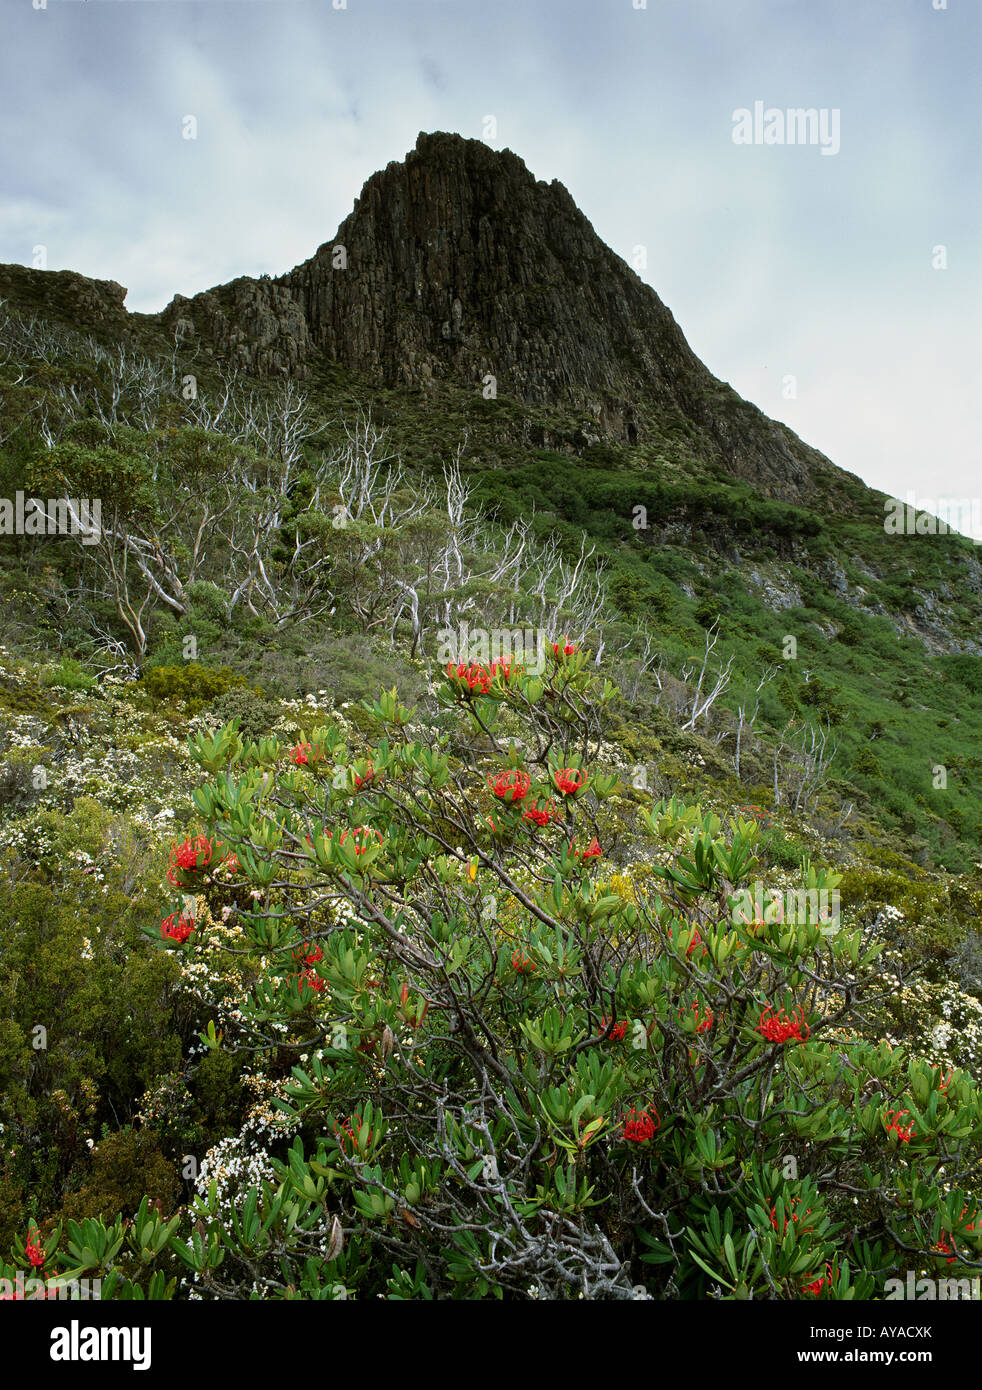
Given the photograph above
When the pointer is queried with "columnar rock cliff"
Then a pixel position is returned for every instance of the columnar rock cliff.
(457, 265)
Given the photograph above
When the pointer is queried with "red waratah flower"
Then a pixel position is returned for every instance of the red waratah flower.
(190, 854)
(33, 1249)
(905, 1133)
(348, 1132)
(592, 851)
(569, 780)
(521, 963)
(306, 753)
(778, 1027)
(232, 863)
(790, 1214)
(565, 648)
(945, 1245)
(616, 1033)
(363, 781)
(309, 979)
(816, 1285)
(703, 1021)
(177, 928)
(310, 955)
(696, 941)
(470, 678)
(511, 786)
(361, 835)
(944, 1080)
(640, 1125)
(540, 815)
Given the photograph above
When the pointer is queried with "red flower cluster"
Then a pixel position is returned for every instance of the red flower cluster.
(361, 835)
(477, 678)
(190, 854)
(310, 955)
(696, 941)
(945, 1245)
(905, 1133)
(569, 780)
(779, 1027)
(640, 1125)
(481, 678)
(592, 851)
(757, 813)
(540, 815)
(789, 1208)
(306, 753)
(33, 1249)
(309, 979)
(366, 780)
(177, 927)
(703, 1022)
(564, 649)
(616, 1033)
(521, 964)
(816, 1285)
(348, 1130)
(506, 669)
(510, 786)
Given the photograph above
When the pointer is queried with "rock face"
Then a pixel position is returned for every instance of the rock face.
(66, 295)
(255, 325)
(457, 265)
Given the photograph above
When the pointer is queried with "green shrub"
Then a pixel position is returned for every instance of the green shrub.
(69, 674)
(867, 763)
(126, 1165)
(255, 714)
(193, 686)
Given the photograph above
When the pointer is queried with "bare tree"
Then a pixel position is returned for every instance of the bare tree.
(800, 774)
(745, 721)
(703, 703)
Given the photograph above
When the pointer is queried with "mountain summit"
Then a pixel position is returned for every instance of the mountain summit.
(458, 265)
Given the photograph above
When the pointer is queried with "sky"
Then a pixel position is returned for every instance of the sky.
(834, 279)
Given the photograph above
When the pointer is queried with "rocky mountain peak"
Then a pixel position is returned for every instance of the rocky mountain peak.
(456, 264)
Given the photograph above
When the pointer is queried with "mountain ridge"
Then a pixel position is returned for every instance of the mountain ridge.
(457, 265)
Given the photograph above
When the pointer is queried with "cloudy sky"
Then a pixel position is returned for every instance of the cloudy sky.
(840, 292)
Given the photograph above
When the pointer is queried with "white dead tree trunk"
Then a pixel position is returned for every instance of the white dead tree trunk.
(745, 721)
(703, 703)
